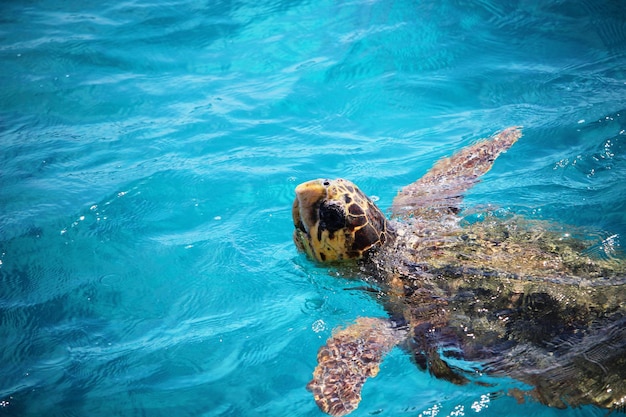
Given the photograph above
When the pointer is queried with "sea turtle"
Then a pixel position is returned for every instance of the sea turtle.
(502, 295)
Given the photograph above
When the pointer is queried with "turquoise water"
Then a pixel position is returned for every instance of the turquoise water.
(150, 152)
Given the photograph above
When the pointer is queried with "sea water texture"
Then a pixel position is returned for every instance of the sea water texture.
(149, 153)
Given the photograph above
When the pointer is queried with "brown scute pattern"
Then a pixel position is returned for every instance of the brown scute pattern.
(327, 239)
(517, 296)
(349, 357)
(356, 222)
(355, 210)
(364, 236)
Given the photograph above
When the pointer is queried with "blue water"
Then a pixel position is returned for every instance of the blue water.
(149, 156)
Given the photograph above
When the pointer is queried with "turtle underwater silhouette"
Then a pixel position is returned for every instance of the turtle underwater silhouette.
(510, 296)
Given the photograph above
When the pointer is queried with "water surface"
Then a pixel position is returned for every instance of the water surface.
(149, 155)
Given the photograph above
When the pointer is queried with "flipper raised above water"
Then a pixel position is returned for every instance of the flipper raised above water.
(441, 189)
(350, 356)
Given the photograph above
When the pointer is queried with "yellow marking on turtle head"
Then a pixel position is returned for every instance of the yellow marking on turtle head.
(335, 221)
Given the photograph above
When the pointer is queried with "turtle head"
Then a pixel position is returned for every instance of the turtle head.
(335, 221)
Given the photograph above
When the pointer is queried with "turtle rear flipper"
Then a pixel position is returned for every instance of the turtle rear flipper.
(440, 191)
(349, 357)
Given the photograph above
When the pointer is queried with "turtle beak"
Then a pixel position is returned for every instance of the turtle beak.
(304, 211)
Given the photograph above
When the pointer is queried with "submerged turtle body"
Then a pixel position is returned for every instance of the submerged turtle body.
(511, 296)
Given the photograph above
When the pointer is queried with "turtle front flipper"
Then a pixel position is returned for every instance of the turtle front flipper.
(440, 191)
(349, 357)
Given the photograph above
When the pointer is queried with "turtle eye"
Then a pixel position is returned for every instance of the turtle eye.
(326, 183)
(332, 217)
